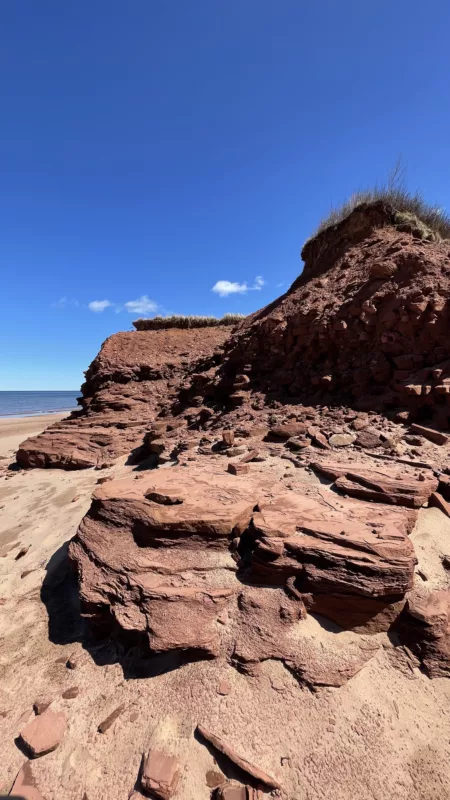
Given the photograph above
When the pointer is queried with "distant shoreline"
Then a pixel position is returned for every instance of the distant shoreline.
(14, 430)
(18, 415)
(34, 403)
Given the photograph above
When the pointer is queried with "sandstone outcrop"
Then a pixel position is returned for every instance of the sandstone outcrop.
(166, 574)
(134, 376)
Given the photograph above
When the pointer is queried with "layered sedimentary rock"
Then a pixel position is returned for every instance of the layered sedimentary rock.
(424, 627)
(168, 561)
(134, 377)
(393, 485)
(366, 322)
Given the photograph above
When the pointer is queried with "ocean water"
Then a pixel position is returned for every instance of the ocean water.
(27, 404)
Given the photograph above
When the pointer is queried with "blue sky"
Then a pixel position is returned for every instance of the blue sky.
(150, 149)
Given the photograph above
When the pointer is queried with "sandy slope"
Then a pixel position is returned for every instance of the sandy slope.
(386, 733)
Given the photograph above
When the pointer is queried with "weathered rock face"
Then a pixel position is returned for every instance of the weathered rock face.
(134, 376)
(366, 322)
(176, 576)
(392, 485)
(424, 627)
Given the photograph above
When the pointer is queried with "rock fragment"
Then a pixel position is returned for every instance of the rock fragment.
(255, 772)
(44, 733)
(237, 468)
(111, 718)
(24, 785)
(434, 436)
(41, 704)
(160, 774)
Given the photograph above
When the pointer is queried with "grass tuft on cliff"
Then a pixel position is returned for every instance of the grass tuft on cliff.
(181, 321)
(411, 210)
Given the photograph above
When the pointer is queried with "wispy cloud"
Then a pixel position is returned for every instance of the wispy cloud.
(225, 288)
(99, 305)
(63, 302)
(143, 305)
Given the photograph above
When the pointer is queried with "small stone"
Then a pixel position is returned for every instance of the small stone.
(41, 705)
(238, 469)
(228, 437)
(224, 688)
(341, 439)
(77, 497)
(234, 791)
(71, 693)
(252, 455)
(44, 733)
(446, 562)
(22, 552)
(160, 774)
(72, 661)
(368, 439)
(157, 446)
(236, 451)
(106, 724)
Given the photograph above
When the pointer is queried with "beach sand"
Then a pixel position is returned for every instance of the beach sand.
(385, 733)
(13, 430)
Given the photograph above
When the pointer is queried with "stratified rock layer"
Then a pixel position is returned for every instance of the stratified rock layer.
(176, 577)
(134, 376)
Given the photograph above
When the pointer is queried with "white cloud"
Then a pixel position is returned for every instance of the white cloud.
(143, 305)
(99, 305)
(225, 288)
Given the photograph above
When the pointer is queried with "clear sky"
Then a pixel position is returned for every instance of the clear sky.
(150, 149)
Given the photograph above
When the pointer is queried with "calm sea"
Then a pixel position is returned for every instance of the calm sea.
(24, 404)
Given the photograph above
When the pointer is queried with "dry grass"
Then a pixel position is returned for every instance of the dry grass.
(410, 208)
(180, 321)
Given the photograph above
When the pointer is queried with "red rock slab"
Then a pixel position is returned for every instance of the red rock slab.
(438, 501)
(183, 619)
(412, 494)
(424, 627)
(214, 506)
(24, 785)
(357, 551)
(394, 487)
(434, 436)
(44, 733)
(255, 772)
(160, 774)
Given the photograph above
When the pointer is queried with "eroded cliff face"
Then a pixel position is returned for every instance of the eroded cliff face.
(134, 376)
(366, 323)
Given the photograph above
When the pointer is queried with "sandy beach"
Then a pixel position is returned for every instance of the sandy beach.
(13, 430)
(383, 732)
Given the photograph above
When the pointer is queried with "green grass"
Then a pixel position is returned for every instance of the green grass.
(411, 210)
(180, 321)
